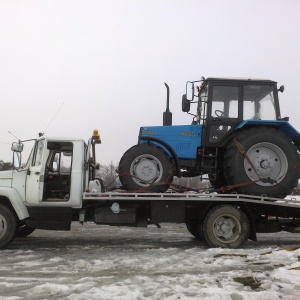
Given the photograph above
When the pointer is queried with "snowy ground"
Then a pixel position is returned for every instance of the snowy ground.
(102, 262)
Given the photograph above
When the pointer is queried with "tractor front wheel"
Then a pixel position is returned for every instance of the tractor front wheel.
(146, 167)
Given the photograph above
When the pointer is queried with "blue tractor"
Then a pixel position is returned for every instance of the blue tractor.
(237, 139)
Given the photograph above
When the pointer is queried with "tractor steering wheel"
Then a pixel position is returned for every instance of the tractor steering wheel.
(219, 113)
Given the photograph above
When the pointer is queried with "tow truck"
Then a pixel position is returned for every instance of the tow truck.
(58, 185)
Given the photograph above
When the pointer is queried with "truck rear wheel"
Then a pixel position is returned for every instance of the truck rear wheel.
(8, 226)
(193, 229)
(146, 167)
(225, 226)
(272, 156)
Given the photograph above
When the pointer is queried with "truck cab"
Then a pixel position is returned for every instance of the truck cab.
(51, 183)
(54, 173)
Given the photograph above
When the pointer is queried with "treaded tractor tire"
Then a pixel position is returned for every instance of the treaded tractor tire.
(273, 158)
(219, 182)
(8, 226)
(146, 167)
(225, 226)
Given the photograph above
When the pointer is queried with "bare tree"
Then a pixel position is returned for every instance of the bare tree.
(109, 175)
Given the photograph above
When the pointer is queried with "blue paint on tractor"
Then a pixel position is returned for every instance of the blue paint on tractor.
(183, 139)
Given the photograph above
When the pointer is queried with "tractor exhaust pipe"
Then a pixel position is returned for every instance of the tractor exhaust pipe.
(167, 115)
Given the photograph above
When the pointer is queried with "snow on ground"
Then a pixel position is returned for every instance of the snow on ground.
(103, 262)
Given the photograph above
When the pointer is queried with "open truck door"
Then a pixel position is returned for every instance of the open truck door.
(35, 173)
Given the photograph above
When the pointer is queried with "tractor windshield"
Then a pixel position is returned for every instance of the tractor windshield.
(259, 102)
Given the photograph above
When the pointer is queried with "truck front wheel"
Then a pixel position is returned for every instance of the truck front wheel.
(261, 161)
(146, 167)
(8, 226)
(225, 226)
(24, 230)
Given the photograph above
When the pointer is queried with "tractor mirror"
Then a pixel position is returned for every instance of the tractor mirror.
(281, 89)
(186, 104)
(190, 91)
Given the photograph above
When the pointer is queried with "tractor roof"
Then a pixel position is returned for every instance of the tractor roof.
(256, 80)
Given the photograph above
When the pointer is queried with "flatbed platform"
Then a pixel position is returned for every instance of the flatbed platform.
(120, 196)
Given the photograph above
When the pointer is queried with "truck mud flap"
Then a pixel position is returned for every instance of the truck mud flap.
(168, 211)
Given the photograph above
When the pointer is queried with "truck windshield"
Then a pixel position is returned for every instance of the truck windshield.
(259, 102)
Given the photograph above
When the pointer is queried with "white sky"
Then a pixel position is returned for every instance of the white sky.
(107, 61)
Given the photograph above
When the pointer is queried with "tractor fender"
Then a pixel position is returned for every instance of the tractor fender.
(11, 197)
(283, 126)
(166, 147)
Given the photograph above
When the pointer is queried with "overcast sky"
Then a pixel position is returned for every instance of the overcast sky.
(69, 66)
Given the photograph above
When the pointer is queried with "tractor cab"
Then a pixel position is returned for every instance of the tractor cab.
(223, 104)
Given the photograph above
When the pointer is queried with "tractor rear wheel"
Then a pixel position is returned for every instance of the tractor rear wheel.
(262, 161)
(146, 167)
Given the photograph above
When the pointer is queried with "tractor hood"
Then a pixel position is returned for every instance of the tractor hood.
(184, 139)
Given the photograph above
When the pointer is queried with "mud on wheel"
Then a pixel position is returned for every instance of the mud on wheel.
(146, 167)
(269, 161)
(225, 226)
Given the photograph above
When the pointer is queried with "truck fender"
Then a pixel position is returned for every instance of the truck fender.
(166, 147)
(13, 197)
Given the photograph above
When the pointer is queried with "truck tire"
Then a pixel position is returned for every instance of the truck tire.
(225, 226)
(193, 229)
(273, 157)
(146, 167)
(8, 226)
(24, 230)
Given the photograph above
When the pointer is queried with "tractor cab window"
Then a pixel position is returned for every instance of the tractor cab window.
(225, 102)
(224, 111)
(259, 102)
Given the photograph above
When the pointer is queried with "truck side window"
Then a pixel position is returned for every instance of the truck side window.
(62, 162)
(225, 102)
(38, 153)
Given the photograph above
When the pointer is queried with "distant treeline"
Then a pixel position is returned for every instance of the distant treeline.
(5, 165)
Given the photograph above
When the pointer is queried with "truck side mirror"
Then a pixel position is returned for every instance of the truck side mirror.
(17, 147)
(186, 104)
(16, 160)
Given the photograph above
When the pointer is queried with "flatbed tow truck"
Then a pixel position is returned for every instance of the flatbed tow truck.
(58, 185)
